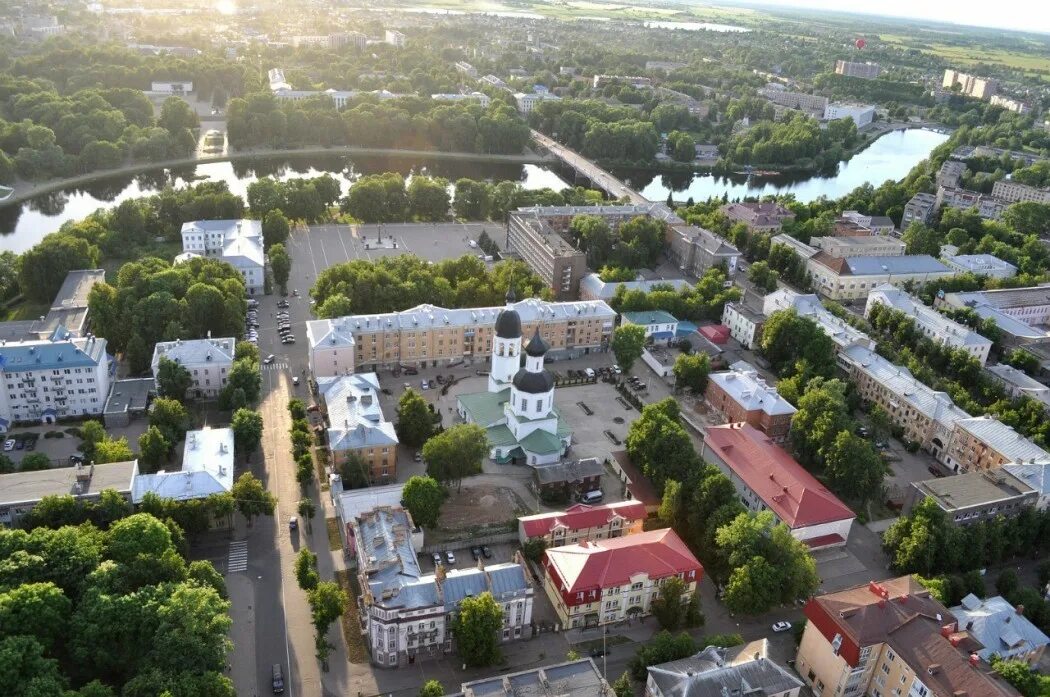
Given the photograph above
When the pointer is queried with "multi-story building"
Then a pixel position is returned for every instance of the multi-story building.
(965, 152)
(427, 335)
(970, 85)
(810, 103)
(466, 68)
(988, 207)
(207, 469)
(356, 425)
(237, 242)
(768, 478)
(858, 246)
(605, 581)
(862, 114)
(759, 217)
(696, 249)
(743, 670)
(920, 208)
(548, 254)
(1001, 627)
(494, 81)
(480, 97)
(1010, 104)
(173, 87)
(741, 395)
(1017, 383)
(1019, 312)
(980, 265)
(46, 380)
(1009, 190)
(974, 497)
(867, 71)
(580, 678)
(853, 278)
(668, 66)
(927, 416)
(592, 287)
(745, 325)
(527, 101)
(20, 492)
(930, 322)
(660, 326)
(984, 442)
(394, 38)
(636, 81)
(838, 330)
(951, 173)
(208, 361)
(408, 613)
(581, 522)
(890, 639)
(1035, 475)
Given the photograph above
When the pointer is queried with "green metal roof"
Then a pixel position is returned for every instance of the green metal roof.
(649, 317)
(499, 436)
(485, 408)
(541, 443)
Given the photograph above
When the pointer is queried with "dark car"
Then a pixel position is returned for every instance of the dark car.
(411, 371)
(598, 653)
(278, 679)
(475, 552)
(486, 552)
(19, 444)
(935, 472)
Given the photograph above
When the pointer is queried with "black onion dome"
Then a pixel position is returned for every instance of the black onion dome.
(537, 346)
(508, 324)
(533, 383)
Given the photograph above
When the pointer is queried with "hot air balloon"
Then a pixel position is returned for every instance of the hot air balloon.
(860, 43)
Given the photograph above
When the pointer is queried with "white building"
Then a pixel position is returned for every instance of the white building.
(208, 362)
(207, 468)
(407, 612)
(839, 331)
(466, 68)
(980, 265)
(852, 246)
(592, 287)
(715, 673)
(930, 322)
(660, 326)
(1020, 312)
(862, 114)
(988, 207)
(394, 38)
(1035, 475)
(1012, 191)
(1010, 104)
(331, 347)
(527, 101)
(744, 325)
(919, 209)
(42, 381)
(237, 242)
(175, 87)
(479, 97)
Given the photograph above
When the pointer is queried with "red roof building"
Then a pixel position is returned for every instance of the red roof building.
(582, 522)
(768, 478)
(715, 333)
(604, 581)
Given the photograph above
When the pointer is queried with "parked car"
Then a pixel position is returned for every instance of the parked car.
(418, 457)
(423, 384)
(598, 653)
(411, 371)
(9, 444)
(295, 380)
(278, 679)
(437, 559)
(450, 557)
(616, 369)
(486, 552)
(293, 523)
(935, 472)
(475, 552)
(288, 340)
(781, 626)
(269, 359)
(19, 444)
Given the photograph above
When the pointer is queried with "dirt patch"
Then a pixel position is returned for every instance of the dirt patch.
(478, 505)
(335, 540)
(351, 619)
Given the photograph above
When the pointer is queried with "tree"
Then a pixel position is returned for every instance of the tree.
(762, 276)
(628, 342)
(671, 603)
(91, 433)
(275, 228)
(881, 424)
(534, 548)
(307, 510)
(471, 200)
(43, 268)
(415, 421)
(251, 498)
(456, 453)
(306, 570)
(35, 462)
(176, 114)
(246, 350)
(423, 496)
(1019, 674)
(428, 198)
(327, 603)
(788, 338)
(691, 371)
(921, 239)
(432, 688)
(244, 375)
(170, 417)
(280, 264)
(822, 414)
(622, 687)
(475, 626)
(658, 444)
(663, 647)
(153, 448)
(854, 467)
(247, 428)
(110, 450)
(173, 380)
(137, 535)
(40, 610)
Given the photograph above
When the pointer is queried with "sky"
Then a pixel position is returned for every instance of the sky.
(1028, 15)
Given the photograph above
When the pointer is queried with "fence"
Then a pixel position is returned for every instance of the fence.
(446, 545)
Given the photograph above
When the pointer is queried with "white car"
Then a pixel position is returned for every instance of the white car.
(9, 445)
(269, 359)
(781, 626)
(450, 557)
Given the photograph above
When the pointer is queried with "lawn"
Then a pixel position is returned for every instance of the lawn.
(24, 311)
(1034, 60)
(355, 643)
(335, 540)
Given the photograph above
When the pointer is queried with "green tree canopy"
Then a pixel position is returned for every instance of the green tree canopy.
(251, 498)
(628, 342)
(475, 625)
(415, 421)
(173, 380)
(456, 453)
(423, 496)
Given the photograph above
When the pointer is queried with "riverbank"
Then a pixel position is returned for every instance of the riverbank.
(24, 191)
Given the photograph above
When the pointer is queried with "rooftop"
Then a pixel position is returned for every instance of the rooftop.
(925, 316)
(762, 214)
(1003, 439)
(554, 242)
(355, 416)
(579, 678)
(751, 392)
(207, 468)
(130, 395)
(593, 285)
(793, 494)
(648, 317)
(569, 471)
(88, 480)
(714, 672)
(874, 266)
(581, 516)
(971, 489)
(352, 503)
(838, 330)
(195, 352)
(1034, 474)
(997, 624)
(49, 354)
(1008, 298)
(981, 264)
(638, 485)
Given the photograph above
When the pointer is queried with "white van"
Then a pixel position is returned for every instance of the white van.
(592, 496)
(589, 372)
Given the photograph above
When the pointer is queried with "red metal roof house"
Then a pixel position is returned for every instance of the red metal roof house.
(583, 522)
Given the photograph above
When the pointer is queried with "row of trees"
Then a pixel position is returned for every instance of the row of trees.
(598, 130)
(795, 141)
(633, 244)
(704, 301)
(327, 601)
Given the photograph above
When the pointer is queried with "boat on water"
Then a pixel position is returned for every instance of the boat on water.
(6, 192)
(759, 172)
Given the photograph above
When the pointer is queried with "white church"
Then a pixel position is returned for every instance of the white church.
(518, 412)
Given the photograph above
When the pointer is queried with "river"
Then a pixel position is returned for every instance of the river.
(890, 157)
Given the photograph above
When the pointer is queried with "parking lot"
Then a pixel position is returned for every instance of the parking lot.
(59, 450)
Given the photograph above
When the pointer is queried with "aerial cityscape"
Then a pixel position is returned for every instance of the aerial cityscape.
(545, 347)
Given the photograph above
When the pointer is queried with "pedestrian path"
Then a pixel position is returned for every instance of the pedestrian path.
(276, 365)
(238, 557)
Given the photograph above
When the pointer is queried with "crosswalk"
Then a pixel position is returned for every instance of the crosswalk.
(238, 557)
(276, 365)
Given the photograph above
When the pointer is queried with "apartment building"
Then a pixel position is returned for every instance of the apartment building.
(984, 442)
(928, 417)
(867, 224)
(1009, 190)
(742, 396)
(866, 71)
(69, 310)
(480, 97)
(600, 582)
(527, 101)
(862, 114)
(553, 258)
(1017, 383)
(839, 331)
(988, 207)
(980, 265)
(715, 671)
(394, 38)
(933, 324)
(172, 87)
(745, 325)
(207, 469)
(973, 497)
(890, 639)
(1021, 313)
(44, 380)
(1010, 104)
(407, 613)
(758, 217)
(767, 478)
(208, 361)
(660, 326)
(809, 103)
(636, 81)
(970, 85)
(1035, 475)
(357, 426)
(853, 278)
(592, 287)
(1001, 627)
(581, 522)
(466, 68)
(237, 242)
(951, 173)
(427, 335)
(920, 208)
(856, 246)
(20, 492)
(696, 250)
(965, 152)
(580, 678)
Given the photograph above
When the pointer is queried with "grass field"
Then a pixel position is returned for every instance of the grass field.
(583, 9)
(1034, 61)
(24, 311)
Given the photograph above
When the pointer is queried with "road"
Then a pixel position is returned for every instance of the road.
(598, 176)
